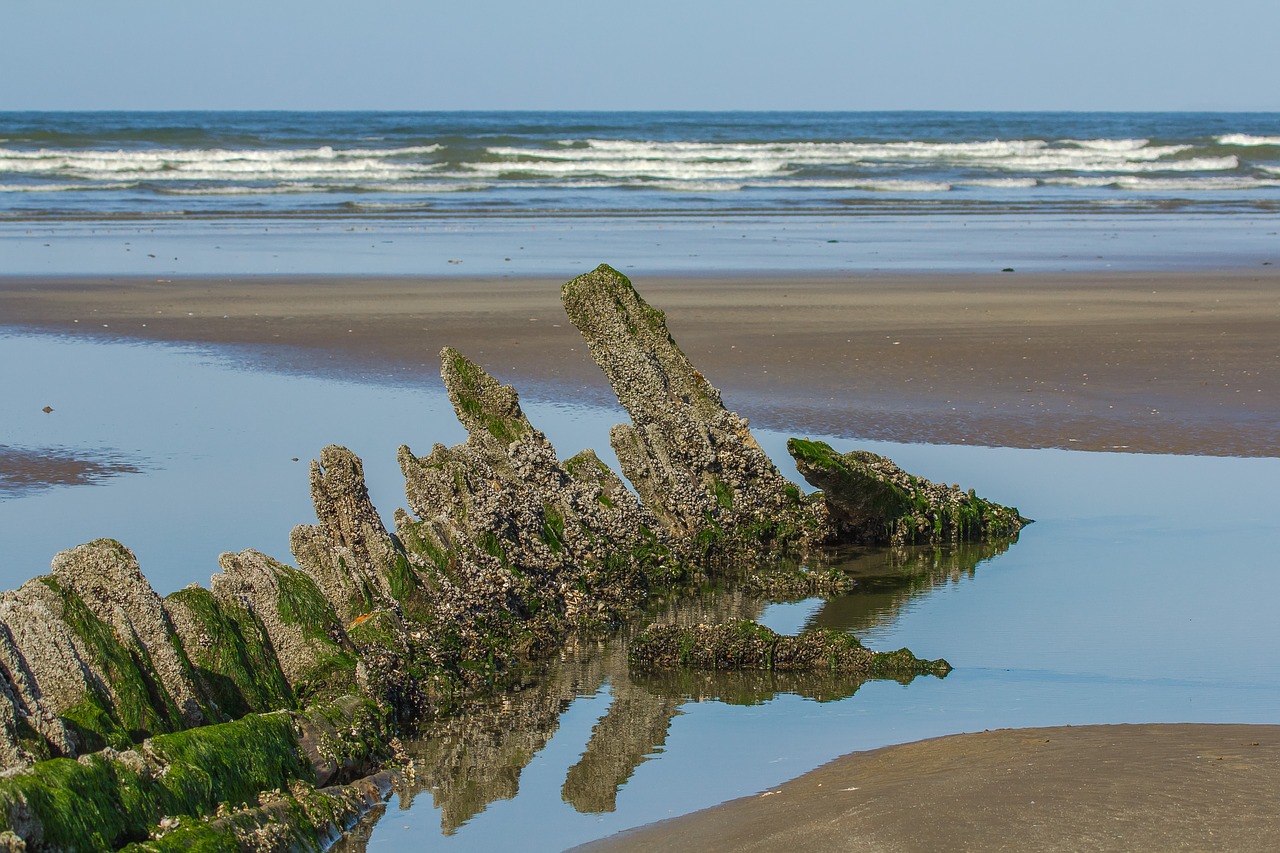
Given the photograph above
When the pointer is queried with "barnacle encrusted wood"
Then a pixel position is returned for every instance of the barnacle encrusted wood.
(869, 499)
(693, 462)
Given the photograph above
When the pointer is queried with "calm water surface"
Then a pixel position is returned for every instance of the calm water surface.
(1145, 591)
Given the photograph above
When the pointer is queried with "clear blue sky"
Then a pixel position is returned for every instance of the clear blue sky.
(640, 54)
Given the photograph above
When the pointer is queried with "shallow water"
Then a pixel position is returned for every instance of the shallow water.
(551, 244)
(222, 449)
(1144, 591)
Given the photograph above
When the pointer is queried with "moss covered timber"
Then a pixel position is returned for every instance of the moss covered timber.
(747, 645)
(193, 780)
(869, 499)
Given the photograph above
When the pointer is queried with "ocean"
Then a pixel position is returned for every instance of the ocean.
(130, 165)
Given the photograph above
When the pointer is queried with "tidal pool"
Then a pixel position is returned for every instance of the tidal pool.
(1144, 592)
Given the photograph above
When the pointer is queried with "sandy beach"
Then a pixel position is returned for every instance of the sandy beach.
(1133, 788)
(1144, 362)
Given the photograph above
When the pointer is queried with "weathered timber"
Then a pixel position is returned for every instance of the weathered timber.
(747, 645)
(694, 463)
(869, 499)
(508, 530)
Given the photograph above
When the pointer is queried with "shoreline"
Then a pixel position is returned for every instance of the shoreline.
(1110, 787)
(1153, 362)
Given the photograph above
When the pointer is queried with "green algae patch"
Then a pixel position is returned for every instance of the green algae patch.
(230, 762)
(237, 667)
(299, 818)
(434, 558)
(110, 798)
(93, 804)
(344, 739)
(552, 533)
(134, 705)
(303, 605)
(747, 645)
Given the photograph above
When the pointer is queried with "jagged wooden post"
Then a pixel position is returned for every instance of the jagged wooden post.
(694, 463)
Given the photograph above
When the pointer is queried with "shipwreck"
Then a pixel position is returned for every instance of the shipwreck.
(264, 711)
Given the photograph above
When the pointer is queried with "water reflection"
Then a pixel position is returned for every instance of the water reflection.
(472, 759)
(477, 757)
(889, 579)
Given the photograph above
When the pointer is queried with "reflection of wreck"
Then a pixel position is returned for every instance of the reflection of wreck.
(508, 549)
(476, 757)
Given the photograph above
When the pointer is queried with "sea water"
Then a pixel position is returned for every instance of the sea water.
(119, 164)
(553, 193)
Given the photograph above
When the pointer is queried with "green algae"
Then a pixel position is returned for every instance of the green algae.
(108, 799)
(473, 390)
(552, 527)
(420, 540)
(307, 818)
(302, 604)
(230, 762)
(237, 669)
(347, 738)
(872, 500)
(723, 493)
(135, 705)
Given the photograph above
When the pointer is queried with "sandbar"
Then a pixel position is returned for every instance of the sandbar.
(1121, 788)
(26, 469)
(1160, 362)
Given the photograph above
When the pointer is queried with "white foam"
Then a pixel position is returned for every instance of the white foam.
(697, 186)
(1109, 144)
(46, 187)
(703, 160)
(1085, 164)
(219, 164)
(1079, 182)
(637, 168)
(232, 189)
(1156, 184)
(1193, 184)
(1001, 183)
(870, 185)
(1247, 139)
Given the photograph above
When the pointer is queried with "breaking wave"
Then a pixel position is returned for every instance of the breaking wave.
(294, 163)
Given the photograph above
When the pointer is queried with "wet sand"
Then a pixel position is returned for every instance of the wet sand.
(29, 469)
(1121, 788)
(1184, 362)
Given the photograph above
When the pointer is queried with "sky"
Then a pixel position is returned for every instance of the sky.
(654, 54)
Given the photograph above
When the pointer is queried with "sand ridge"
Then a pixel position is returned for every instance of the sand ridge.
(1146, 362)
(1074, 788)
